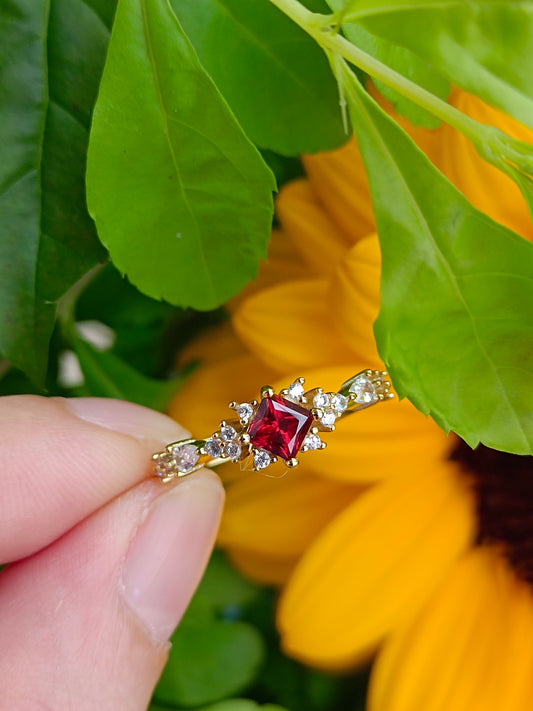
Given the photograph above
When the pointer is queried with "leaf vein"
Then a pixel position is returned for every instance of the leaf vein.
(410, 198)
(255, 40)
(166, 116)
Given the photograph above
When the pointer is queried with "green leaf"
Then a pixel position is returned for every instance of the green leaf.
(180, 197)
(241, 705)
(484, 46)
(106, 375)
(223, 586)
(209, 661)
(50, 65)
(456, 320)
(24, 329)
(273, 75)
(404, 62)
(105, 9)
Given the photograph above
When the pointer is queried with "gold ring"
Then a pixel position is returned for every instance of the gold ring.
(277, 427)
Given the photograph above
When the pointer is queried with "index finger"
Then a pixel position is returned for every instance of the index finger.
(61, 459)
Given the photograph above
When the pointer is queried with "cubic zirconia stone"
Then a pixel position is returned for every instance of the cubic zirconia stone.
(339, 403)
(244, 411)
(364, 390)
(213, 447)
(328, 418)
(296, 390)
(280, 426)
(228, 433)
(321, 400)
(164, 465)
(186, 457)
(313, 441)
(262, 459)
(233, 450)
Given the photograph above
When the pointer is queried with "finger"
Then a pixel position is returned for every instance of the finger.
(61, 460)
(85, 622)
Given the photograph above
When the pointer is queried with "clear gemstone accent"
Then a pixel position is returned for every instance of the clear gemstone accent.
(244, 411)
(339, 403)
(261, 459)
(227, 433)
(328, 418)
(321, 400)
(164, 465)
(213, 447)
(186, 457)
(296, 391)
(313, 441)
(233, 450)
(364, 390)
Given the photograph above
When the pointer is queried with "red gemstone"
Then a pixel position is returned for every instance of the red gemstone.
(280, 426)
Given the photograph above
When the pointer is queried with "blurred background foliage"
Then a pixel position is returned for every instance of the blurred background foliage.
(71, 324)
(227, 645)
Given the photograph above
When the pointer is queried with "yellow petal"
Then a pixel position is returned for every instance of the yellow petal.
(283, 263)
(354, 298)
(203, 400)
(339, 181)
(515, 661)
(470, 649)
(374, 565)
(487, 188)
(424, 138)
(280, 516)
(211, 346)
(289, 327)
(385, 440)
(267, 570)
(314, 234)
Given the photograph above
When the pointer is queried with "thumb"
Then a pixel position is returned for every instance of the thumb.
(85, 622)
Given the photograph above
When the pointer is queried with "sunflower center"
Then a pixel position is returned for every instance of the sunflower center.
(504, 487)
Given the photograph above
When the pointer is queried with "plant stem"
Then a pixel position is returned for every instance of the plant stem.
(319, 27)
(67, 304)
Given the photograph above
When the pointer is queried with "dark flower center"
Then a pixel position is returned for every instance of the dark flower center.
(504, 489)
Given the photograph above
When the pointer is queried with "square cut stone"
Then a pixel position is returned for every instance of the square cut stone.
(280, 427)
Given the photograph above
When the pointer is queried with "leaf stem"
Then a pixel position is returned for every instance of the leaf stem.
(323, 29)
(67, 304)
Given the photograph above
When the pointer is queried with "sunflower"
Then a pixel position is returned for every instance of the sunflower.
(397, 542)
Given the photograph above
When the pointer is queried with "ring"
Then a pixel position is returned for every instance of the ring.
(277, 427)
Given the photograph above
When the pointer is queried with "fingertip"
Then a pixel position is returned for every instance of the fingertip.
(169, 552)
(99, 604)
(68, 457)
(128, 418)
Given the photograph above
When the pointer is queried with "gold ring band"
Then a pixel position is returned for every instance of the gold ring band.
(275, 428)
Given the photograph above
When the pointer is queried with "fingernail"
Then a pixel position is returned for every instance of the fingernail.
(121, 416)
(170, 550)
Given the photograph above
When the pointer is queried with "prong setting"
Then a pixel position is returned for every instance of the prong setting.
(277, 427)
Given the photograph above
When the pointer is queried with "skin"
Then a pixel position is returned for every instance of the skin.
(103, 559)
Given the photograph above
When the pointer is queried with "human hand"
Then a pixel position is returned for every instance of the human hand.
(103, 562)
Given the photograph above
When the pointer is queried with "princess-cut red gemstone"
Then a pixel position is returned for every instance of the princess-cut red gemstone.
(280, 426)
